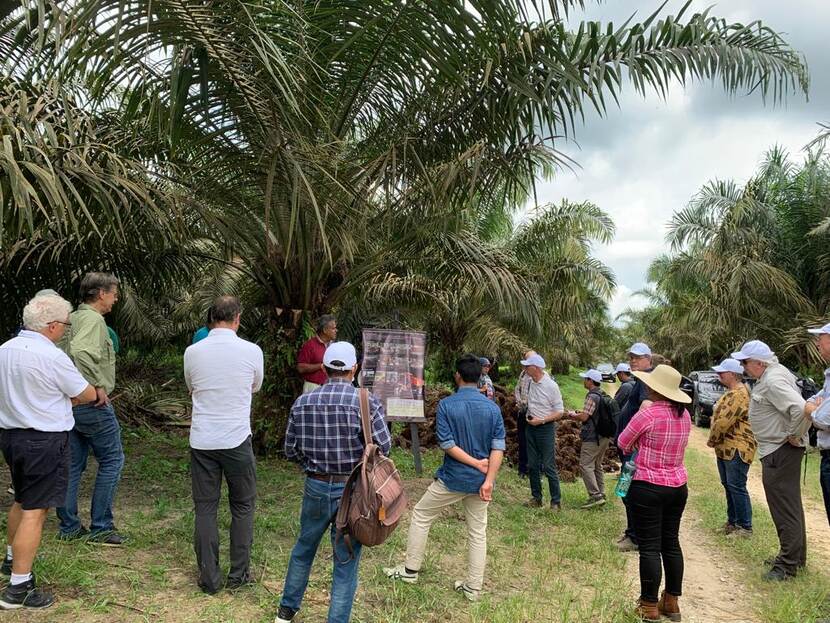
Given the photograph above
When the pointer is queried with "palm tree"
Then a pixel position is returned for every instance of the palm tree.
(297, 129)
(748, 262)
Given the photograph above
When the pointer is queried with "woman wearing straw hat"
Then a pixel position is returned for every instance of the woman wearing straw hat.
(657, 497)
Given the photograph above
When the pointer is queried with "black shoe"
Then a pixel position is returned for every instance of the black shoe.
(285, 614)
(777, 574)
(110, 538)
(207, 590)
(235, 583)
(25, 595)
(6, 568)
(80, 533)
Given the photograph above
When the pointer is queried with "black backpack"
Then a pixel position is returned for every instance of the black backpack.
(606, 415)
(808, 389)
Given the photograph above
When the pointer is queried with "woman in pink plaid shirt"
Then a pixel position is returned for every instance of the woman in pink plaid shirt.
(657, 497)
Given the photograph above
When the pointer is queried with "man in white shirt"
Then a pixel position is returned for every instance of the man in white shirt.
(544, 409)
(222, 372)
(38, 386)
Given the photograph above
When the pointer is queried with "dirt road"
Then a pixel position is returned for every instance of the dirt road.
(709, 591)
(818, 530)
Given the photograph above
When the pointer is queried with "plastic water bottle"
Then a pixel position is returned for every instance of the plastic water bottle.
(625, 478)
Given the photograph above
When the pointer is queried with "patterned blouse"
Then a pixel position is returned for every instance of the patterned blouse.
(729, 429)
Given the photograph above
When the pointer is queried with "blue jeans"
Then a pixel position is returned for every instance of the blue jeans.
(733, 478)
(824, 478)
(320, 503)
(96, 428)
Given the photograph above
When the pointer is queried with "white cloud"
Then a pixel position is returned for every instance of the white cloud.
(624, 299)
(646, 160)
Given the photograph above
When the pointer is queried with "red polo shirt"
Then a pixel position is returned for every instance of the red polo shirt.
(312, 352)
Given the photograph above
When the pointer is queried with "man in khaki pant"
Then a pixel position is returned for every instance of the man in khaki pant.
(471, 432)
(593, 446)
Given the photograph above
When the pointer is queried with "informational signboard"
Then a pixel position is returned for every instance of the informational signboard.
(393, 370)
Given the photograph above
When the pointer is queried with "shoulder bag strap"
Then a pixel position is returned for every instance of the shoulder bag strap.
(364, 416)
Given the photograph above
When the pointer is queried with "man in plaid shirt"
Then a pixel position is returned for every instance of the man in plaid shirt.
(593, 446)
(324, 435)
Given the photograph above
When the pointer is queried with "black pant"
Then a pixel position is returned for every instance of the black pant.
(656, 512)
(825, 480)
(629, 522)
(206, 469)
(521, 431)
(782, 486)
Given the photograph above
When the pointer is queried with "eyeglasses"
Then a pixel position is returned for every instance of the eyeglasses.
(66, 324)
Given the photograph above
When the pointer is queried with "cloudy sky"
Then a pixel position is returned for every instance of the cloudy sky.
(646, 159)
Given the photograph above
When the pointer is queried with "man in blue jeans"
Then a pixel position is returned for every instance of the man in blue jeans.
(90, 346)
(324, 435)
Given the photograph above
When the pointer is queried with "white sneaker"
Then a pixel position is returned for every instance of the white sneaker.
(470, 593)
(400, 573)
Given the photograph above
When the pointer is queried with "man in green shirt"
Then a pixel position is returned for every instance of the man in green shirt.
(90, 346)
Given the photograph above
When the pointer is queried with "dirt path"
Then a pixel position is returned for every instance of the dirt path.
(709, 592)
(818, 531)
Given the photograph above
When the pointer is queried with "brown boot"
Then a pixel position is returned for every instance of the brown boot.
(647, 611)
(667, 606)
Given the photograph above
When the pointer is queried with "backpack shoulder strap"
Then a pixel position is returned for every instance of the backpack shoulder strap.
(364, 416)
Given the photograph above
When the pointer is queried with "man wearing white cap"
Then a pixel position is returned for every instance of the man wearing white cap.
(520, 393)
(776, 413)
(627, 384)
(544, 409)
(594, 444)
(639, 360)
(817, 410)
(731, 436)
(325, 436)
(222, 372)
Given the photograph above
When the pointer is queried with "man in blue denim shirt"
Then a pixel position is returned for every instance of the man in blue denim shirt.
(470, 431)
(818, 410)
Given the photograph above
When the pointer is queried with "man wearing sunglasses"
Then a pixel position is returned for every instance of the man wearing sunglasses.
(38, 386)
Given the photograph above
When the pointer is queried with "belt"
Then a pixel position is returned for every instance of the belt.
(330, 478)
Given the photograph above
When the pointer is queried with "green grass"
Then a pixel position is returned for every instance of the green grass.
(560, 568)
(573, 393)
(803, 599)
(541, 567)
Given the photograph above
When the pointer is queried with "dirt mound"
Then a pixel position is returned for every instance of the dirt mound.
(568, 443)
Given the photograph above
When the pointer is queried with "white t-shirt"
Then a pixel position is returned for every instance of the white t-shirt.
(37, 381)
(222, 371)
(544, 398)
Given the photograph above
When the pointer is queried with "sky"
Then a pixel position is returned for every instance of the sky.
(647, 158)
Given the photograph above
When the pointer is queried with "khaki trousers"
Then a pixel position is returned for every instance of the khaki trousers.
(590, 464)
(429, 507)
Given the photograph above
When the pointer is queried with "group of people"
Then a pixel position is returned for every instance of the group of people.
(57, 374)
(770, 420)
(55, 408)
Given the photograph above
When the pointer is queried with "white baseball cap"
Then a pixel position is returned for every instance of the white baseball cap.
(729, 365)
(594, 375)
(340, 356)
(820, 330)
(754, 349)
(534, 360)
(640, 350)
(622, 367)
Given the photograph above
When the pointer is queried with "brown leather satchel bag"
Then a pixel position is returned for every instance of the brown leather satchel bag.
(373, 498)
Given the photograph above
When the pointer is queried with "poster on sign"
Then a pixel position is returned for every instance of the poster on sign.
(393, 370)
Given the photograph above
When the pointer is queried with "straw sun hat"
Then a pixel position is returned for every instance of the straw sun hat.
(665, 380)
